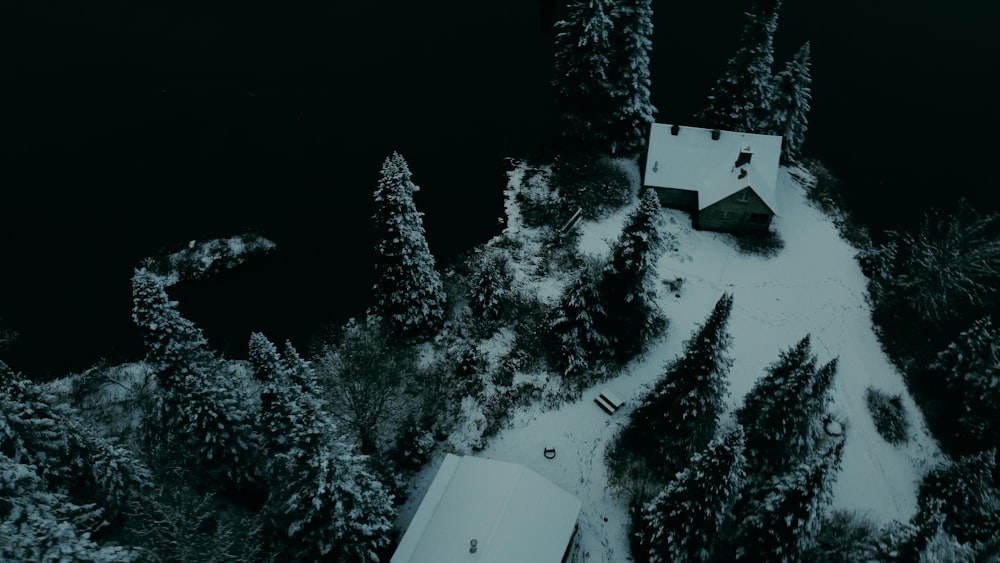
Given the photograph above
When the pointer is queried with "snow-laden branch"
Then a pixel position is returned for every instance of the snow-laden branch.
(204, 259)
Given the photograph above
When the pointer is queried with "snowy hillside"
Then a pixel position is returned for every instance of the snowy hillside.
(813, 285)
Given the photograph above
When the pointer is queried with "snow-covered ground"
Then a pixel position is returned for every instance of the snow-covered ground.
(813, 285)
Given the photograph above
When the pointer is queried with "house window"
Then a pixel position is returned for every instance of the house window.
(727, 214)
(760, 218)
(743, 196)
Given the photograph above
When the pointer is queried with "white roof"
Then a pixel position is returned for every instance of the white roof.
(513, 513)
(692, 160)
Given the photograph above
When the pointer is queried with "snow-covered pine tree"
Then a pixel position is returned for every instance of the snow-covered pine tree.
(948, 269)
(409, 293)
(632, 316)
(112, 475)
(576, 322)
(39, 430)
(943, 547)
(683, 522)
(789, 115)
(964, 493)
(680, 414)
(817, 401)
(784, 409)
(971, 365)
(846, 536)
(631, 109)
(741, 97)
(491, 285)
(289, 413)
(200, 413)
(200, 260)
(39, 525)
(783, 523)
(70, 462)
(931, 543)
(583, 54)
(323, 504)
(33, 430)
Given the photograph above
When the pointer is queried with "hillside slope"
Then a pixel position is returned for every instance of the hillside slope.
(813, 285)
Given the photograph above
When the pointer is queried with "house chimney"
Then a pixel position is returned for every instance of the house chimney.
(675, 129)
(744, 157)
(715, 134)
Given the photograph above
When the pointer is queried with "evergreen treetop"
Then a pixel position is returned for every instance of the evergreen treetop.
(680, 415)
(39, 525)
(632, 111)
(741, 97)
(963, 491)
(626, 287)
(492, 283)
(783, 412)
(583, 54)
(684, 522)
(200, 414)
(323, 503)
(971, 368)
(52, 456)
(577, 321)
(789, 116)
(409, 293)
(782, 523)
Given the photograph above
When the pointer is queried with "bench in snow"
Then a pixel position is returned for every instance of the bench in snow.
(609, 401)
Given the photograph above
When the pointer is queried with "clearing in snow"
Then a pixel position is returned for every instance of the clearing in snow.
(813, 285)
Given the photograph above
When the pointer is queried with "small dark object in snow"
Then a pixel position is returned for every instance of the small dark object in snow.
(605, 518)
(549, 453)
(834, 428)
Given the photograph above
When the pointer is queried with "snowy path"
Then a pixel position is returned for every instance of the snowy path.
(812, 286)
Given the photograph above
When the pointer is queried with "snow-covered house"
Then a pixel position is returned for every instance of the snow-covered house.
(725, 179)
(485, 511)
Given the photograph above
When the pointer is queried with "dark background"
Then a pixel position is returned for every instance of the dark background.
(130, 127)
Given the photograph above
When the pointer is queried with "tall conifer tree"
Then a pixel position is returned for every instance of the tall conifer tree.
(583, 56)
(324, 504)
(789, 116)
(40, 431)
(632, 111)
(683, 523)
(971, 368)
(200, 412)
(741, 97)
(577, 320)
(632, 316)
(680, 415)
(37, 524)
(409, 294)
(783, 523)
(963, 491)
(491, 286)
(783, 410)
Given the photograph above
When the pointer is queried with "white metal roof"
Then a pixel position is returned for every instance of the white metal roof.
(513, 513)
(692, 160)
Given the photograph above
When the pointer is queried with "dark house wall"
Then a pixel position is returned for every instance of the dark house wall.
(678, 199)
(742, 212)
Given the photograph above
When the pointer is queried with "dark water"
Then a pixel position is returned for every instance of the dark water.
(132, 127)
